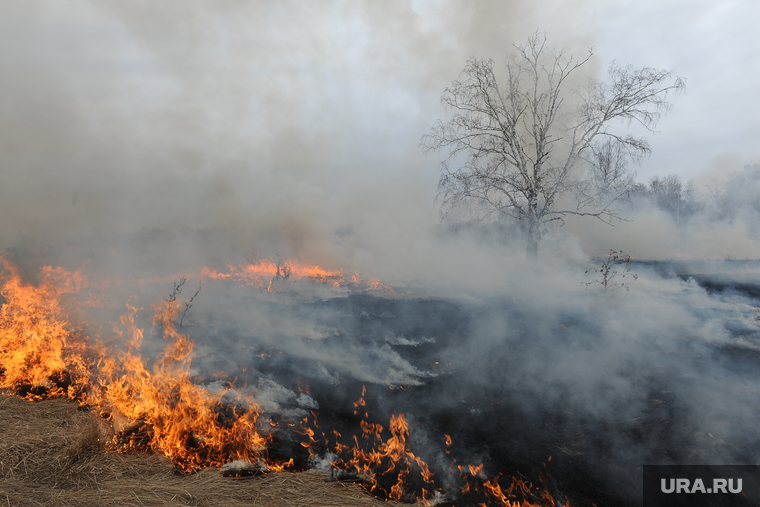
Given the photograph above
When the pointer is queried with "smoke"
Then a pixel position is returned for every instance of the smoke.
(714, 216)
(546, 365)
(141, 140)
(269, 128)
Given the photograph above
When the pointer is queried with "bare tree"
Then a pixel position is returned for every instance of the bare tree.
(608, 270)
(516, 149)
(609, 164)
(670, 195)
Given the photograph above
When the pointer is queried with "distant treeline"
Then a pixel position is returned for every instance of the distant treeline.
(736, 198)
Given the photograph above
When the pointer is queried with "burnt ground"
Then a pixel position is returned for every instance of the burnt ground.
(497, 415)
(498, 411)
(487, 422)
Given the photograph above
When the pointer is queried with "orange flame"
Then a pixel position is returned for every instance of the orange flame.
(520, 492)
(39, 356)
(390, 470)
(165, 411)
(382, 460)
(387, 466)
(271, 276)
(157, 407)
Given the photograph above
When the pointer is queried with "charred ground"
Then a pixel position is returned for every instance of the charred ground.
(574, 390)
(496, 376)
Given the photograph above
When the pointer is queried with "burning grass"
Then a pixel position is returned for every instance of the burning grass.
(273, 276)
(57, 454)
(154, 408)
(51, 453)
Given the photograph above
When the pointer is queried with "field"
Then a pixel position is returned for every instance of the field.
(558, 396)
(51, 454)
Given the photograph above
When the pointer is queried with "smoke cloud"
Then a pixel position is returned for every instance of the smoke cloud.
(140, 141)
(270, 128)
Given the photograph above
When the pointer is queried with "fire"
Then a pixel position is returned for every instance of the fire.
(39, 355)
(272, 276)
(388, 467)
(161, 409)
(389, 463)
(520, 492)
(158, 409)
(155, 405)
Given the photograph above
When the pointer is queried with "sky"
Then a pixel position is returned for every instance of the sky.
(296, 126)
(711, 127)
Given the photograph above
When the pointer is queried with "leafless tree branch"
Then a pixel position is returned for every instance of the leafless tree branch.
(514, 148)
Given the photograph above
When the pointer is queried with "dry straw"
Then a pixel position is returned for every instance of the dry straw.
(51, 453)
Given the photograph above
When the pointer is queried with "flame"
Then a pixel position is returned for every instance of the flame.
(520, 493)
(390, 470)
(158, 409)
(165, 411)
(389, 467)
(271, 276)
(389, 463)
(39, 355)
(156, 405)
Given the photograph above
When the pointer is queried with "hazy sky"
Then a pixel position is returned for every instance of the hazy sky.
(301, 120)
(708, 43)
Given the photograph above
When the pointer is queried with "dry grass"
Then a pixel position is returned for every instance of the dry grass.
(51, 454)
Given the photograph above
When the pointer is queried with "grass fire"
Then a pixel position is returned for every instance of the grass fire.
(156, 405)
(449, 254)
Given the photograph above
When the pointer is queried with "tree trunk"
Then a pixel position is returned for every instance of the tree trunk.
(532, 252)
(533, 237)
(534, 233)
